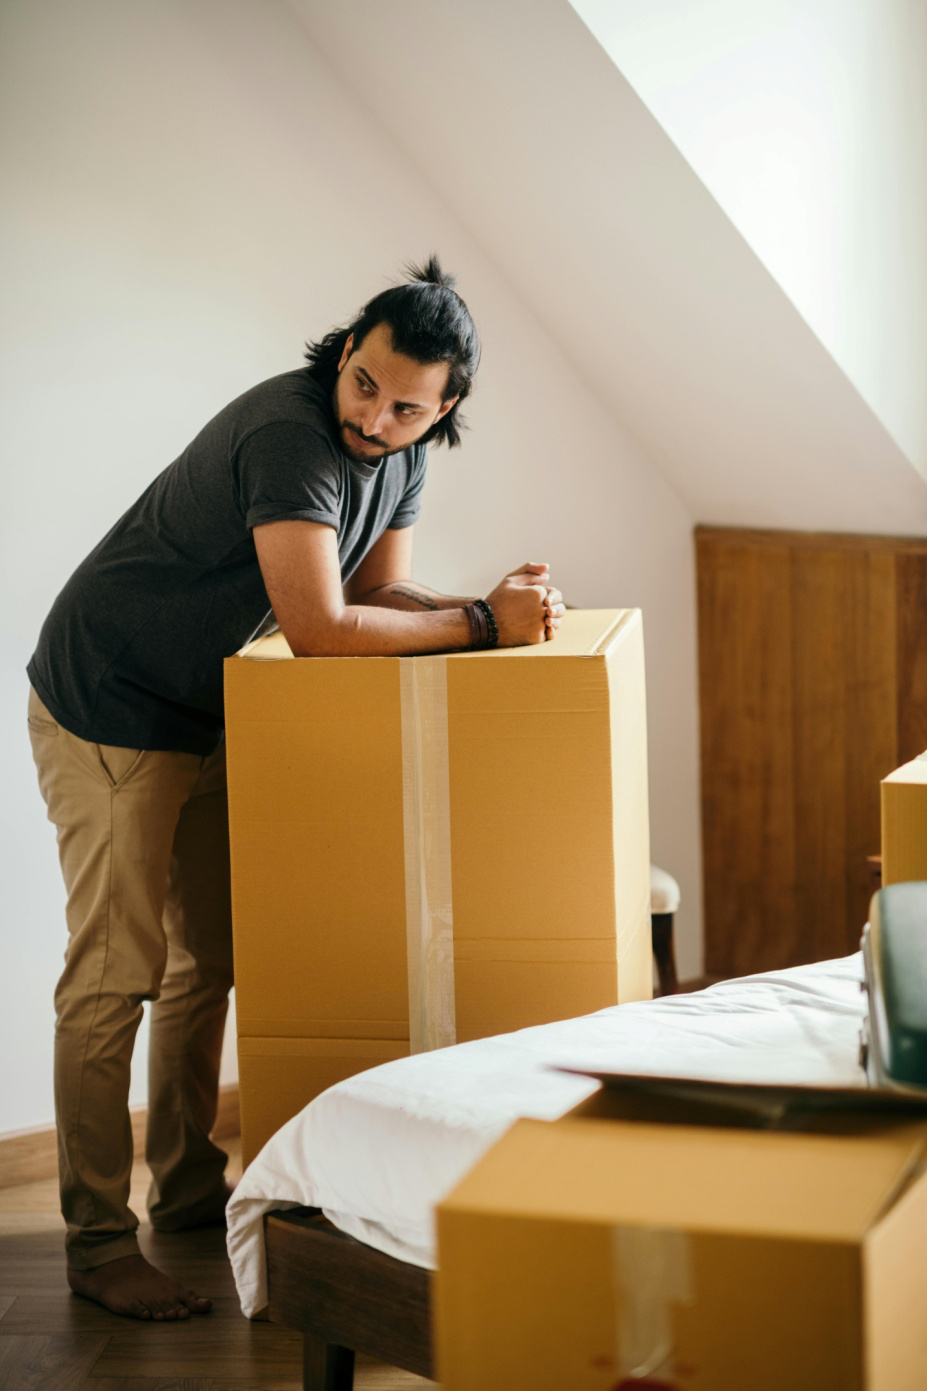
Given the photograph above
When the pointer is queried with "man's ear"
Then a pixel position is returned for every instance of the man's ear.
(446, 406)
(346, 350)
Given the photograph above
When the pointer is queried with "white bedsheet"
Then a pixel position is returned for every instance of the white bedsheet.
(377, 1152)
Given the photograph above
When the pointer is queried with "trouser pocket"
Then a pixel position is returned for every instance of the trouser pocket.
(117, 763)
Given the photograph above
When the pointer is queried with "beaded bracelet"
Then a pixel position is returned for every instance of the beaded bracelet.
(493, 638)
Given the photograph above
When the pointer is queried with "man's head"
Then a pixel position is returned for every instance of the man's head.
(399, 372)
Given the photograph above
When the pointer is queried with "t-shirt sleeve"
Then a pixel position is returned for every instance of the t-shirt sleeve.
(409, 505)
(287, 472)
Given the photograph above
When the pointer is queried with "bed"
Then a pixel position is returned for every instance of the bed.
(332, 1226)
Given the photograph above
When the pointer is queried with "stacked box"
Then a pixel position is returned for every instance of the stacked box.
(904, 823)
(431, 849)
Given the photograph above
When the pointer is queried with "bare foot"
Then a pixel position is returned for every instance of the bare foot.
(134, 1288)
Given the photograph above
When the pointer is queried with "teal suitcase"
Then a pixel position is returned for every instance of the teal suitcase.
(894, 1036)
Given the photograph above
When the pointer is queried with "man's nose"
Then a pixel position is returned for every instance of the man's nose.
(374, 419)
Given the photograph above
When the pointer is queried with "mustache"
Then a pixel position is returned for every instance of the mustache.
(368, 439)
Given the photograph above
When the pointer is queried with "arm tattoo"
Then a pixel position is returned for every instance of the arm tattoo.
(403, 593)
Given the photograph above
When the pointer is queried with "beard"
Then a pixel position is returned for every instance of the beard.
(377, 449)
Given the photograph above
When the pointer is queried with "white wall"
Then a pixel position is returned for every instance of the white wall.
(554, 163)
(807, 120)
(190, 193)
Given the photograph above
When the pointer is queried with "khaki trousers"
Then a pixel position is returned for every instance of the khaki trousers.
(143, 844)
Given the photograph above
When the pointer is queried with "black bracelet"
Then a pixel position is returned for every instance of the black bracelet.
(479, 628)
(493, 626)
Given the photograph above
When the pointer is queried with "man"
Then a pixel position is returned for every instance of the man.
(297, 502)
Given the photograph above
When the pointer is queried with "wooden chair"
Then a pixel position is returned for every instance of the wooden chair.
(664, 901)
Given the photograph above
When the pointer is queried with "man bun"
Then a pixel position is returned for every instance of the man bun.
(431, 273)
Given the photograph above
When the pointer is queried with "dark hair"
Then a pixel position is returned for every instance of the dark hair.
(429, 323)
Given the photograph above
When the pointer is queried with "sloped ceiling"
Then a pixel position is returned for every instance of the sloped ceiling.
(807, 121)
(529, 132)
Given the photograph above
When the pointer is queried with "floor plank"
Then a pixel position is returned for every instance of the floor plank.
(59, 1362)
(368, 1376)
(51, 1340)
(202, 1347)
(372, 1377)
(148, 1384)
(293, 1381)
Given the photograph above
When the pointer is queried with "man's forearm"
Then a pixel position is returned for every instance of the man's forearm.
(413, 597)
(363, 630)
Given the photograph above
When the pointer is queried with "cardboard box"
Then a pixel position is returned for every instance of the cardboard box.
(603, 1254)
(432, 849)
(272, 1071)
(904, 823)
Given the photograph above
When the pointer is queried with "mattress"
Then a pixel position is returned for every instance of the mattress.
(377, 1152)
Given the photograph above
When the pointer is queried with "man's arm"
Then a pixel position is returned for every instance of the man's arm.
(413, 597)
(381, 579)
(301, 571)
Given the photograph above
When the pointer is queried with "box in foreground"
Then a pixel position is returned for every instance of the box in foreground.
(602, 1254)
(904, 823)
(432, 849)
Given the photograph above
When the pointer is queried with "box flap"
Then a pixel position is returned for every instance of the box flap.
(759, 1103)
(686, 1178)
(271, 648)
(913, 772)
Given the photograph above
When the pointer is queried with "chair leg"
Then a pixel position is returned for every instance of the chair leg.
(326, 1367)
(664, 953)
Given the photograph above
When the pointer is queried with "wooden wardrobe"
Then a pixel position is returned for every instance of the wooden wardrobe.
(813, 686)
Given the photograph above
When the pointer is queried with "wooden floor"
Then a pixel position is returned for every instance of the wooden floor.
(50, 1340)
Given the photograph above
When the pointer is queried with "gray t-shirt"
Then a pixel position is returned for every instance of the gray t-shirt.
(131, 652)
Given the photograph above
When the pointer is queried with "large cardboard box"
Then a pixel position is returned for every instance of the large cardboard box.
(431, 849)
(904, 823)
(603, 1254)
(274, 1073)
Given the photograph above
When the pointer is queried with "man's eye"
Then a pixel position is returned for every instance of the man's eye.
(364, 386)
(406, 410)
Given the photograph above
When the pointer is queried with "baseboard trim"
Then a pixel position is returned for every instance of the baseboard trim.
(28, 1155)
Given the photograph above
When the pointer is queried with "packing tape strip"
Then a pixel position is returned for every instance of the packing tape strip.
(652, 1271)
(426, 808)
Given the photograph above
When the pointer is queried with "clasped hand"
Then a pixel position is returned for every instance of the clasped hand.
(527, 608)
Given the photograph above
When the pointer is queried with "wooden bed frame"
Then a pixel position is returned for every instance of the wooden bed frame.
(344, 1297)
